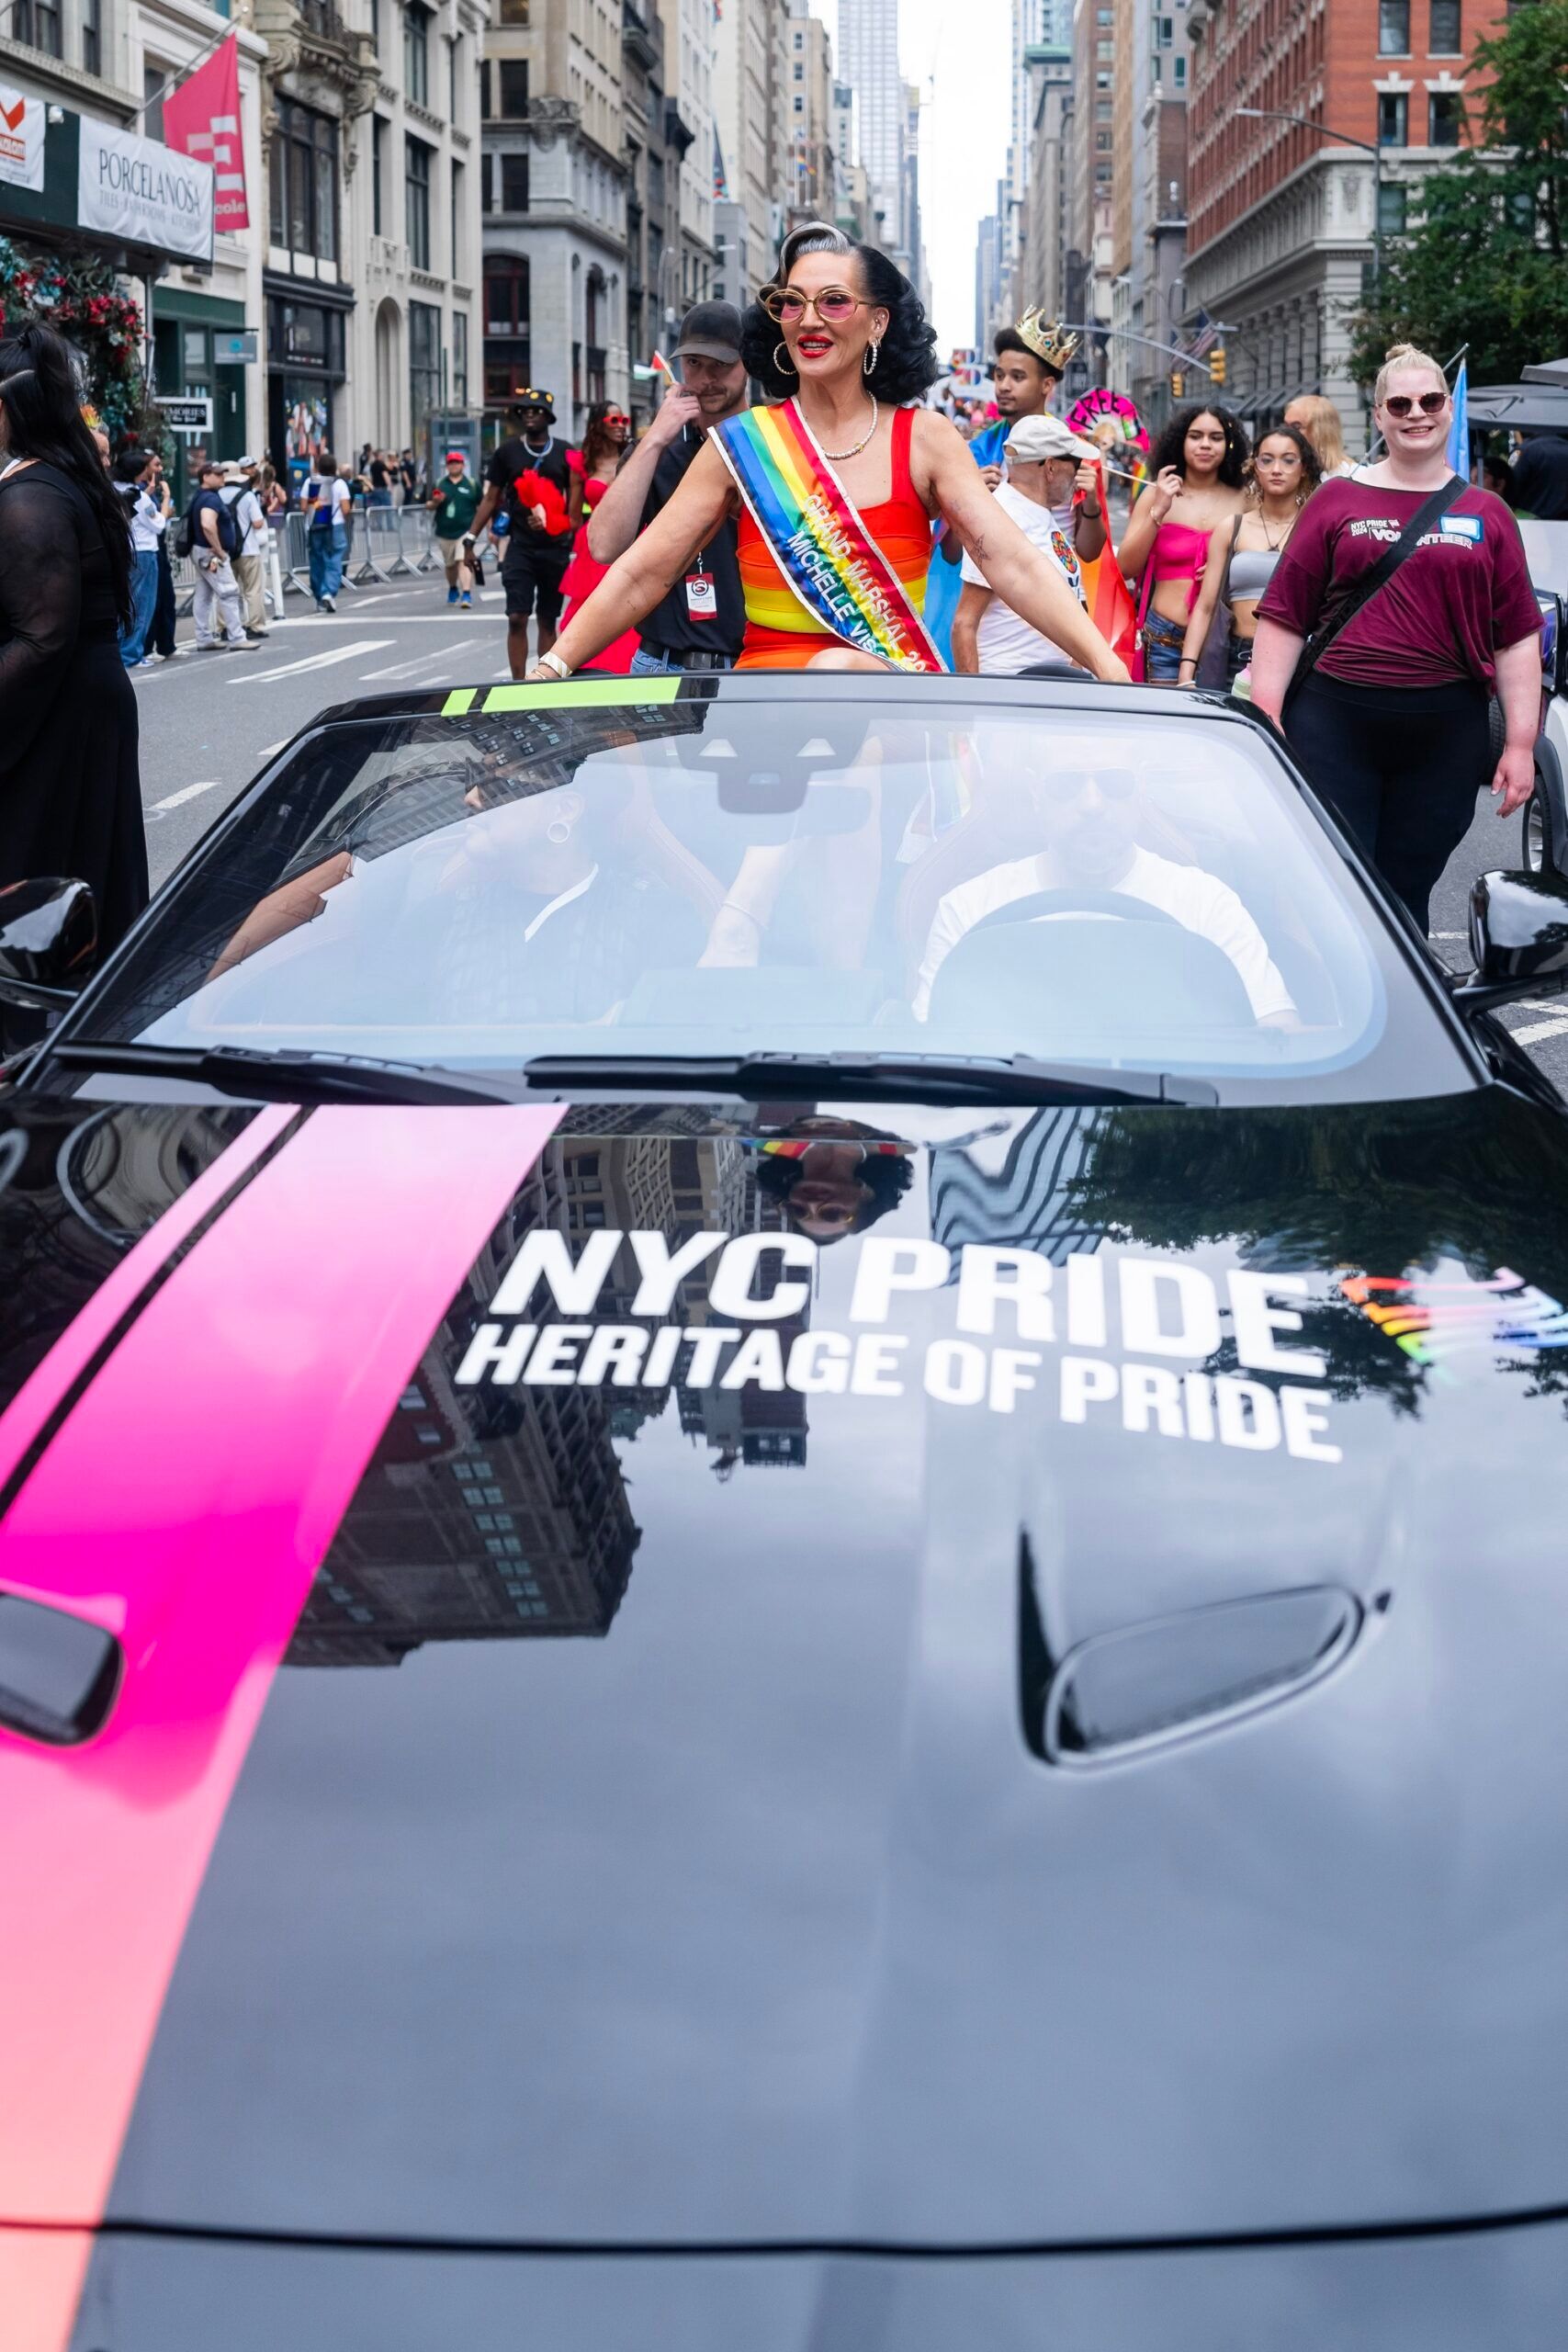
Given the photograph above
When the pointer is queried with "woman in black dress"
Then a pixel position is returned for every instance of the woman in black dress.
(70, 785)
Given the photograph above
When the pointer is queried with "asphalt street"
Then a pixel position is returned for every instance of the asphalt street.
(208, 721)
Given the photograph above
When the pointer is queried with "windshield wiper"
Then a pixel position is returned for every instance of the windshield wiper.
(262, 1077)
(910, 1078)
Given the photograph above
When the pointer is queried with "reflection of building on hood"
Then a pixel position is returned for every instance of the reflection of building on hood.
(1025, 1202)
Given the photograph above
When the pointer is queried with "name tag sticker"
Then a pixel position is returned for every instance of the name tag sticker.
(1462, 527)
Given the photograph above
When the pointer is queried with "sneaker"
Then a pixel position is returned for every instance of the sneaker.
(452, 596)
(209, 646)
(255, 635)
(237, 645)
(328, 605)
(467, 603)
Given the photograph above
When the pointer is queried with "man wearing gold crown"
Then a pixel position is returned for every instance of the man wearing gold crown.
(1031, 361)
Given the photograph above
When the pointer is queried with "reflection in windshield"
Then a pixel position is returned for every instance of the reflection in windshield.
(715, 876)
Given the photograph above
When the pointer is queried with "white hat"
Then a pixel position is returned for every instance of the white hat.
(1035, 438)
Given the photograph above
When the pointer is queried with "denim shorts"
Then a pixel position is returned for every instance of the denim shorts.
(1163, 641)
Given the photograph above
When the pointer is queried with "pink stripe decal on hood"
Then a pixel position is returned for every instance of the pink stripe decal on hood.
(185, 1503)
(74, 1351)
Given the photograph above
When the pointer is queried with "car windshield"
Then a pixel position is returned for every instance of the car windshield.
(756, 869)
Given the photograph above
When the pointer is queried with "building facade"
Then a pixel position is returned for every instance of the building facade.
(868, 62)
(813, 163)
(558, 186)
(1283, 224)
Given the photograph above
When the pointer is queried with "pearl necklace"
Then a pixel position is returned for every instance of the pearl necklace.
(837, 457)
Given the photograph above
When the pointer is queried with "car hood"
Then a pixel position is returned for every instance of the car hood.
(562, 1809)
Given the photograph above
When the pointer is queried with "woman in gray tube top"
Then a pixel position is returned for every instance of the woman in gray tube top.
(1244, 550)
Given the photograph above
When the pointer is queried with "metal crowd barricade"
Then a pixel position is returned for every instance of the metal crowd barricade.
(374, 550)
(183, 568)
(416, 532)
(295, 554)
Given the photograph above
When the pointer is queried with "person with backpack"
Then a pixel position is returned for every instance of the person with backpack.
(241, 498)
(1401, 608)
(210, 537)
(326, 503)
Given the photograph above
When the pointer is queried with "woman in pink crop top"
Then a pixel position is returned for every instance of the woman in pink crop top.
(1200, 470)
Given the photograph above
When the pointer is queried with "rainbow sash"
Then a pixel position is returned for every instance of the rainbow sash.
(830, 560)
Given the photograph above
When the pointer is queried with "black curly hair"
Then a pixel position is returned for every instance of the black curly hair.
(884, 1177)
(1311, 464)
(907, 362)
(1170, 449)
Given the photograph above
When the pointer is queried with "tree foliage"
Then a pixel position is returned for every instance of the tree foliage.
(1483, 262)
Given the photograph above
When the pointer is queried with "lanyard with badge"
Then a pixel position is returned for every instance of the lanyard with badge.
(702, 589)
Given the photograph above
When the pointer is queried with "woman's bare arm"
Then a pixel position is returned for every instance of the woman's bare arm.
(1275, 652)
(972, 607)
(1137, 541)
(1202, 613)
(652, 564)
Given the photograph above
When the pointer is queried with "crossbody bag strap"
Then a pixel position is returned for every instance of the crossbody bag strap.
(1375, 580)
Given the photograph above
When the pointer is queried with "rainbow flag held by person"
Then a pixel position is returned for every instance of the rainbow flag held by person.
(829, 560)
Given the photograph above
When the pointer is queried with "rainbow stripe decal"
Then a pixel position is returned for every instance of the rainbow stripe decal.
(1434, 1317)
(830, 560)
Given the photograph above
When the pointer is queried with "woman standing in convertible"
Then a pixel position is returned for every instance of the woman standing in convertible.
(836, 487)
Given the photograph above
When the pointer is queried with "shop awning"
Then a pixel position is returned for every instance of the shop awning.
(96, 184)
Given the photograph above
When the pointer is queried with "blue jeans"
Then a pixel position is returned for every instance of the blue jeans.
(654, 665)
(326, 545)
(1163, 641)
(143, 600)
(378, 498)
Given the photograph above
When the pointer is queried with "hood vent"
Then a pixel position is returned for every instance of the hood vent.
(58, 1674)
(1169, 1678)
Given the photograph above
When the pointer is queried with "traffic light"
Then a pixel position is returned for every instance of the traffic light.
(1217, 363)
(1178, 384)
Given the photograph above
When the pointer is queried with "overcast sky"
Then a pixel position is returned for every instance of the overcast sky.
(959, 52)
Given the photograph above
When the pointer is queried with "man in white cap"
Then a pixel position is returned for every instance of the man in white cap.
(1046, 466)
(239, 495)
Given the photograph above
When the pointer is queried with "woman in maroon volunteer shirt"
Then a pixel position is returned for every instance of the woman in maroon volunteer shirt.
(1392, 724)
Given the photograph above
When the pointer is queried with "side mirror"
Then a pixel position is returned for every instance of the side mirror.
(49, 933)
(1518, 938)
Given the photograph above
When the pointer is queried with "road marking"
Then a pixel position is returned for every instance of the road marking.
(1448, 934)
(312, 661)
(406, 669)
(267, 748)
(188, 792)
(1556, 1027)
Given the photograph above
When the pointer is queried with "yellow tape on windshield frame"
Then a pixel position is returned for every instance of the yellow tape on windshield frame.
(571, 693)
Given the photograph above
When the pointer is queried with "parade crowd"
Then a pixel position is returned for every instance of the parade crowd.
(799, 500)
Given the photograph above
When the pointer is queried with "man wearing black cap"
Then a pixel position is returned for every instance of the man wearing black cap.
(700, 623)
(536, 559)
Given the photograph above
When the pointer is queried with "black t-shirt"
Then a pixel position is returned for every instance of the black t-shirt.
(670, 628)
(378, 474)
(1540, 479)
(514, 458)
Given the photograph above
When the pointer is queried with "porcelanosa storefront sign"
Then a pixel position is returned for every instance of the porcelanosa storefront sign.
(144, 192)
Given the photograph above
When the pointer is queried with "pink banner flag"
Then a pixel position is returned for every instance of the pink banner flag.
(202, 117)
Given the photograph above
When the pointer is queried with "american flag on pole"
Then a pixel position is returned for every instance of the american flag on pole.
(1203, 337)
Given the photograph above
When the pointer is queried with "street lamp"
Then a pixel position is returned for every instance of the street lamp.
(1305, 123)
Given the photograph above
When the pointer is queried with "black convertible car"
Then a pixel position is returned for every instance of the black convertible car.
(781, 1464)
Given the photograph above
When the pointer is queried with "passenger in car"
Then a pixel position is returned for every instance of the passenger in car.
(1090, 824)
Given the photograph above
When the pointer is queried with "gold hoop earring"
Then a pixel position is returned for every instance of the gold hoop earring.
(785, 365)
(868, 363)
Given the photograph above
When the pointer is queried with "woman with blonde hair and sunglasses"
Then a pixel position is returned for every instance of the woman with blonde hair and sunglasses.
(836, 484)
(1402, 603)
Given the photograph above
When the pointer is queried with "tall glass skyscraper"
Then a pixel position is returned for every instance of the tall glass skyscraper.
(868, 61)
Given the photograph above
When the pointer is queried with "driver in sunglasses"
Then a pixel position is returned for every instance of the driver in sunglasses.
(1089, 820)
